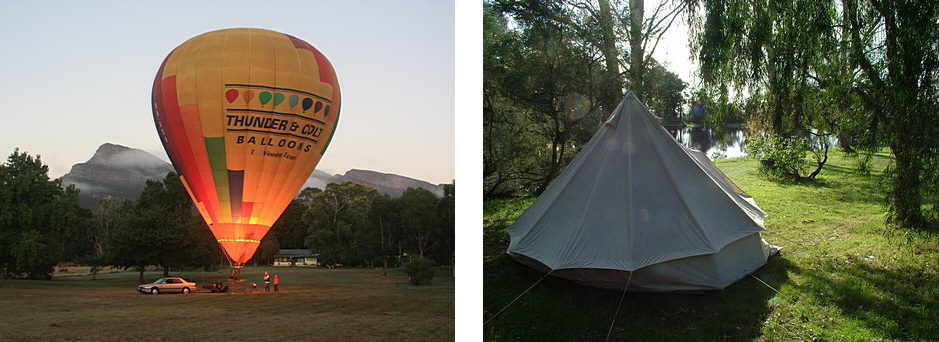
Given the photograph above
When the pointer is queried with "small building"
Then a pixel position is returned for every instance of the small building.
(296, 257)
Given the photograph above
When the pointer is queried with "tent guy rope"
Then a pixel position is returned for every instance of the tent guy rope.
(519, 296)
(764, 283)
(618, 306)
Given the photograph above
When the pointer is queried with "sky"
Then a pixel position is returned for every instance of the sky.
(75, 75)
(673, 51)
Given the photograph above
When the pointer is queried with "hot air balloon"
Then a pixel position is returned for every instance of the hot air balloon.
(241, 151)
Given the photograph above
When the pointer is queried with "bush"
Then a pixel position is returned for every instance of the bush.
(35, 255)
(780, 157)
(420, 270)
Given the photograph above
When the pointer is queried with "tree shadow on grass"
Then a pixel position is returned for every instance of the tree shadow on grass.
(847, 183)
(866, 188)
(558, 309)
(846, 171)
(897, 303)
(803, 182)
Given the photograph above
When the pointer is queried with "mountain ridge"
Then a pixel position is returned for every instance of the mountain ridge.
(121, 172)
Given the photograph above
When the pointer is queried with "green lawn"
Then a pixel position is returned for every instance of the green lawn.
(842, 275)
(351, 304)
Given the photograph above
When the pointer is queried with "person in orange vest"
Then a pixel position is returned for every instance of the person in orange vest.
(276, 282)
(267, 282)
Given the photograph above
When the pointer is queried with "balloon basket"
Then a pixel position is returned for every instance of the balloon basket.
(236, 272)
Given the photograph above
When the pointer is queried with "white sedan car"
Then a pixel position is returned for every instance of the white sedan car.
(167, 285)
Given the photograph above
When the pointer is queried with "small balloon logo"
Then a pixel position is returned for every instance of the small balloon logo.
(293, 101)
(265, 97)
(248, 95)
(307, 103)
(319, 105)
(231, 95)
(278, 98)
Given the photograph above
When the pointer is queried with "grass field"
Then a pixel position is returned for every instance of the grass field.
(351, 304)
(842, 275)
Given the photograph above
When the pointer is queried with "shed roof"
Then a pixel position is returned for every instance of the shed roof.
(296, 253)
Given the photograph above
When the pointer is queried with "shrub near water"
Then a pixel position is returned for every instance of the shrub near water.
(420, 270)
(779, 157)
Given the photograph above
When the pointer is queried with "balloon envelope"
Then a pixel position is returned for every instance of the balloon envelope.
(242, 157)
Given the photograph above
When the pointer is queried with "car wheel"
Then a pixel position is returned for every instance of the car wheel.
(185, 290)
(154, 291)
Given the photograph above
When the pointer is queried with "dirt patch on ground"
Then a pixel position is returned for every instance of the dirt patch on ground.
(78, 270)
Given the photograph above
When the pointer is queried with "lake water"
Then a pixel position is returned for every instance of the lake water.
(716, 143)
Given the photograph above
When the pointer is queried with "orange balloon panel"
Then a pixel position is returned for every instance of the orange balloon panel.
(245, 115)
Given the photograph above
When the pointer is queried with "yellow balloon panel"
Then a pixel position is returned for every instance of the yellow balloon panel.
(245, 115)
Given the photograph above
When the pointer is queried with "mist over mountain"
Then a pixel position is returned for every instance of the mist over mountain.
(116, 171)
(387, 183)
(121, 172)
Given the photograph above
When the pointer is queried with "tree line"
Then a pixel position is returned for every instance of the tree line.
(552, 76)
(42, 224)
(353, 224)
(800, 75)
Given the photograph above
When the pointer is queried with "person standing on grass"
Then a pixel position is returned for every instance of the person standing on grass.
(267, 282)
(276, 282)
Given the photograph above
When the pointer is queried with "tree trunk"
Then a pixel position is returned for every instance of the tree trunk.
(907, 198)
(821, 163)
(420, 241)
(611, 56)
(557, 153)
(140, 280)
(385, 261)
(636, 13)
(844, 141)
(384, 254)
(166, 271)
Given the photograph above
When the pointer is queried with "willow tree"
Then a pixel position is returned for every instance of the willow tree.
(895, 45)
(782, 56)
(864, 68)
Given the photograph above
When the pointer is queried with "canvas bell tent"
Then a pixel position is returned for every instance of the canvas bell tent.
(636, 207)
